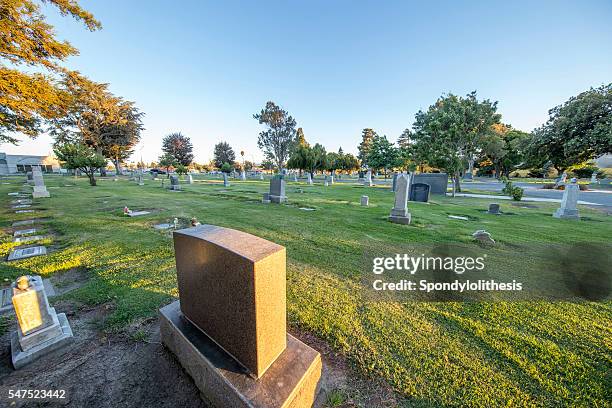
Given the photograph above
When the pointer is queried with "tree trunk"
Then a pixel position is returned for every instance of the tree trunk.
(92, 177)
(457, 183)
(453, 190)
(117, 169)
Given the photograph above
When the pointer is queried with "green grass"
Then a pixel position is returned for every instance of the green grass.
(435, 354)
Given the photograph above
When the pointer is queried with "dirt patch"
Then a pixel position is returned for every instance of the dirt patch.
(102, 370)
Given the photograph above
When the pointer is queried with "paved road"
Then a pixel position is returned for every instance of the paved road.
(601, 197)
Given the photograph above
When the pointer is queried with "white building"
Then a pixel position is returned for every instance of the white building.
(18, 163)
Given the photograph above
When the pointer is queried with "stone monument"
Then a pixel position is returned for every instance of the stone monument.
(365, 200)
(174, 183)
(277, 189)
(40, 329)
(360, 178)
(569, 202)
(243, 175)
(29, 177)
(189, 179)
(140, 178)
(399, 213)
(261, 177)
(266, 198)
(438, 182)
(228, 328)
(309, 178)
(368, 179)
(225, 180)
(39, 184)
(494, 209)
(419, 192)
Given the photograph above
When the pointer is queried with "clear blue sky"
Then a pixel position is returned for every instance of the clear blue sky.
(203, 68)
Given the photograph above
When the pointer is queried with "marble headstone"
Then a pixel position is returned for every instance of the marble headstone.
(399, 213)
(569, 202)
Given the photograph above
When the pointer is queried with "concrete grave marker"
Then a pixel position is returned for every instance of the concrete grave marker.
(40, 329)
(243, 175)
(23, 211)
(29, 238)
(23, 253)
(21, 206)
(225, 180)
(569, 209)
(266, 198)
(368, 179)
(163, 226)
(309, 178)
(458, 217)
(28, 231)
(365, 200)
(23, 222)
(494, 209)
(277, 189)
(40, 191)
(174, 183)
(138, 213)
(189, 179)
(399, 213)
(228, 328)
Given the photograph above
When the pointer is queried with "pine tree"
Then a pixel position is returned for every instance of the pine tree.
(367, 136)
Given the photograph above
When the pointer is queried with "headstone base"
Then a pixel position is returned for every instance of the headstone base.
(278, 199)
(397, 219)
(21, 358)
(569, 215)
(291, 381)
(40, 194)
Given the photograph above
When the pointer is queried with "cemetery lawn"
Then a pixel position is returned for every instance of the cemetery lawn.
(433, 354)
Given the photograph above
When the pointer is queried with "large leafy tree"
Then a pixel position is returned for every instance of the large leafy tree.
(78, 156)
(178, 146)
(505, 148)
(367, 137)
(103, 121)
(576, 131)
(451, 132)
(28, 99)
(308, 158)
(383, 155)
(279, 137)
(223, 154)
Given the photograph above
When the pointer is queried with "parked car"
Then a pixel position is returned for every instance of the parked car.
(158, 171)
